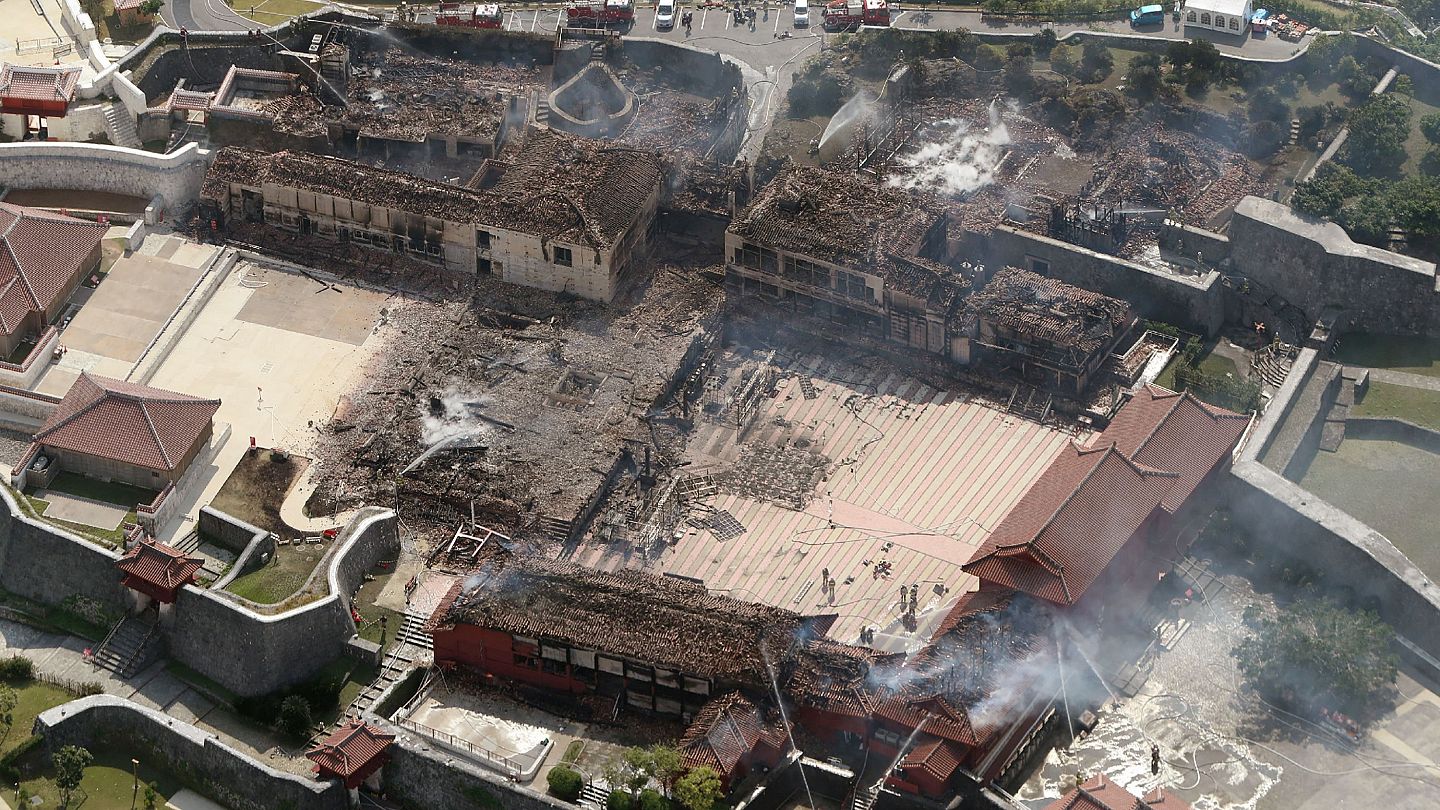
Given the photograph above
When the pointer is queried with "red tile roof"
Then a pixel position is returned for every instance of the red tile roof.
(40, 255)
(1064, 532)
(39, 83)
(1178, 432)
(158, 564)
(350, 748)
(126, 422)
(939, 758)
(725, 731)
(1099, 793)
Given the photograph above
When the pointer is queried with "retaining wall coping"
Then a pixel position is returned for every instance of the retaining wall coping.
(174, 161)
(1329, 236)
(1202, 281)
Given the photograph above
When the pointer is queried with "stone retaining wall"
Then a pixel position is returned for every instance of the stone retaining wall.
(176, 177)
(49, 565)
(202, 762)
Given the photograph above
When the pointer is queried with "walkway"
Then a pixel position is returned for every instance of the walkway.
(1404, 378)
(63, 657)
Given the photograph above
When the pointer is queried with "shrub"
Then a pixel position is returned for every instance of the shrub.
(651, 799)
(564, 783)
(294, 717)
(17, 668)
(618, 800)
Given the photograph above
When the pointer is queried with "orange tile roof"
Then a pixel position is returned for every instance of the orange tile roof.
(939, 758)
(39, 83)
(1099, 793)
(1171, 431)
(158, 564)
(134, 424)
(1064, 532)
(351, 747)
(40, 255)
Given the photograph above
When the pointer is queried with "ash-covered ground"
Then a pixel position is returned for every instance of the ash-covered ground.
(523, 415)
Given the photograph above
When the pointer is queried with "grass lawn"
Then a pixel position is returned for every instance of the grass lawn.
(96, 490)
(35, 697)
(1392, 486)
(1210, 363)
(370, 612)
(1416, 405)
(1416, 147)
(281, 577)
(1415, 355)
(108, 783)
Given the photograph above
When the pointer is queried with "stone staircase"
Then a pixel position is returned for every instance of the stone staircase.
(542, 111)
(411, 643)
(129, 646)
(593, 796)
(120, 125)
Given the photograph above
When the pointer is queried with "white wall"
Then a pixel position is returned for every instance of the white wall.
(1196, 17)
(175, 177)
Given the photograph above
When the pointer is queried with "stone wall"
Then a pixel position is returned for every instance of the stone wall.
(420, 776)
(1384, 428)
(202, 762)
(45, 564)
(251, 653)
(226, 531)
(175, 177)
(1316, 266)
(1191, 302)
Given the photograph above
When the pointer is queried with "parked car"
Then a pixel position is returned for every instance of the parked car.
(665, 14)
(802, 14)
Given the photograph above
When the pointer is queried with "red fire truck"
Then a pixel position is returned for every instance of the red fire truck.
(850, 15)
(600, 13)
(469, 16)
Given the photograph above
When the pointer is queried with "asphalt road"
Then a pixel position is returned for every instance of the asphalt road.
(203, 15)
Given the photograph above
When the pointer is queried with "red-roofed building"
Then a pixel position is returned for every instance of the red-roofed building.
(352, 753)
(44, 91)
(1094, 510)
(157, 570)
(928, 768)
(731, 737)
(43, 258)
(1099, 793)
(120, 431)
(131, 13)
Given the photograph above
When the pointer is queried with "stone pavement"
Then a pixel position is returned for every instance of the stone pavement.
(1404, 378)
(64, 657)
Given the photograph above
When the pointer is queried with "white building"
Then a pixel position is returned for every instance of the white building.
(1230, 16)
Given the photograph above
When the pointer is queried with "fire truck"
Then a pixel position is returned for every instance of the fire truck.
(850, 15)
(599, 13)
(469, 16)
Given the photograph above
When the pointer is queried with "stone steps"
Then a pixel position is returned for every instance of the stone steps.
(120, 126)
(128, 648)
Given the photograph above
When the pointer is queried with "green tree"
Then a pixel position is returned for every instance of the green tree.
(652, 800)
(1352, 77)
(699, 789)
(1415, 205)
(665, 765)
(1327, 192)
(1205, 60)
(151, 7)
(152, 797)
(1096, 61)
(1145, 81)
(1177, 53)
(1265, 104)
(1062, 60)
(618, 800)
(1265, 138)
(636, 765)
(70, 763)
(565, 783)
(294, 718)
(1317, 653)
(1430, 127)
(8, 701)
(1044, 41)
(1378, 130)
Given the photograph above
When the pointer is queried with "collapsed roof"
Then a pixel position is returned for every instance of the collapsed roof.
(1047, 315)
(559, 187)
(664, 621)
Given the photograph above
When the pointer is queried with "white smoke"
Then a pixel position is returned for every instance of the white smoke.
(962, 163)
(456, 419)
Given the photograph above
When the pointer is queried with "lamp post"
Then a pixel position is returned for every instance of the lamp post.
(135, 789)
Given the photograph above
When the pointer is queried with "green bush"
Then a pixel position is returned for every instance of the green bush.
(17, 668)
(618, 800)
(651, 799)
(564, 783)
(294, 717)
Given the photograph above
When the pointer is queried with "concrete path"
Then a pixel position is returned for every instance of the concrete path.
(64, 657)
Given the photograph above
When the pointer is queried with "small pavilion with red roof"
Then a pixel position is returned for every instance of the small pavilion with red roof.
(351, 753)
(157, 570)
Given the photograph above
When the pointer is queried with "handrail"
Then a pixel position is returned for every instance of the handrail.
(505, 763)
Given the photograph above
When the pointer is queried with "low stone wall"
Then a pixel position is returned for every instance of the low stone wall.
(253, 546)
(175, 177)
(251, 653)
(216, 770)
(1192, 302)
(49, 565)
(1384, 428)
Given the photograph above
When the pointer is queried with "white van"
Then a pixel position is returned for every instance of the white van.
(802, 14)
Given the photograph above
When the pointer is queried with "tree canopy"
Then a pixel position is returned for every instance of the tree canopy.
(699, 789)
(1378, 129)
(1319, 654)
